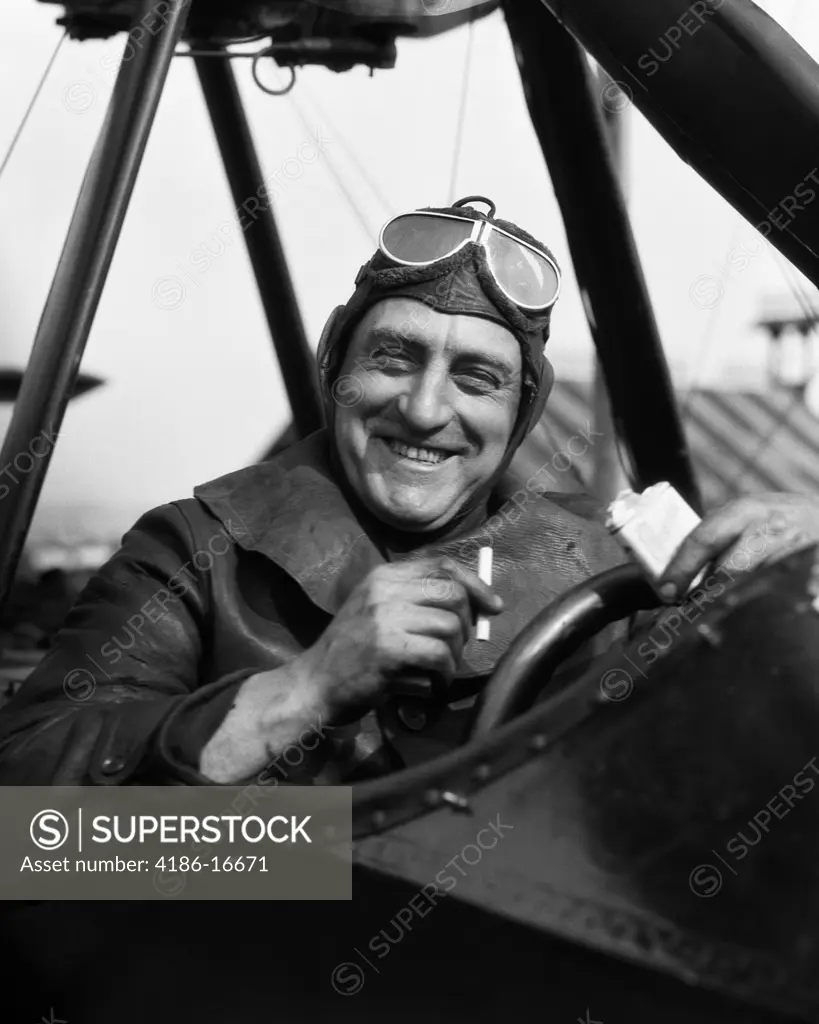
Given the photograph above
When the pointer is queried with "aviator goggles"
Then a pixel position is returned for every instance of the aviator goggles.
(528, 277)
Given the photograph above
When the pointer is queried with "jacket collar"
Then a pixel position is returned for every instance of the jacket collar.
(292, 511)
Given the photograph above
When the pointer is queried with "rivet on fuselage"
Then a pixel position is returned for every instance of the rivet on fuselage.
(456, 801)
(710, 635)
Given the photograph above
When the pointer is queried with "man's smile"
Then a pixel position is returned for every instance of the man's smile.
(418, 454)
(401, 454)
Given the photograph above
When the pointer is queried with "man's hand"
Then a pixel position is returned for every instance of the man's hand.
(760, 528)
(402, 618)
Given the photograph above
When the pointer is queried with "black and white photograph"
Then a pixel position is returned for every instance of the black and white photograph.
(409, 512)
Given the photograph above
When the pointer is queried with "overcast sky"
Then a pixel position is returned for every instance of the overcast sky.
(192, 387)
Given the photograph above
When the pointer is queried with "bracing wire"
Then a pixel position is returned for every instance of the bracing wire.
(712, 317)
(359, 165)
(459, 128)
(342, 185)
(30, 107)
(693, 383)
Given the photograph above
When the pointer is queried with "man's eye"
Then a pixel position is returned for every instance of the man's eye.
(478, 380)
(386, 360)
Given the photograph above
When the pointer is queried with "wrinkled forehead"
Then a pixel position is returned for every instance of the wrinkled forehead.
(399, 324)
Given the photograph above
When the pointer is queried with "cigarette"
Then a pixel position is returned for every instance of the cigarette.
(484, 574)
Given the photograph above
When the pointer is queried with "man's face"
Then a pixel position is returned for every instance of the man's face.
(426, 405)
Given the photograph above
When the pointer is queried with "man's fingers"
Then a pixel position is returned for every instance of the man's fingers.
(434, 655)
(443, 623)
(444, 583)
(722, 534)
(695, 552)
(482, 597)
(448, 589)
(713, 536)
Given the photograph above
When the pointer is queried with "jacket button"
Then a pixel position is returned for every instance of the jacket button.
(413, 718)
(112, 764)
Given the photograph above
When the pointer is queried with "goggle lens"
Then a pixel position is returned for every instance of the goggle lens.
(527, 278)
(414, 239)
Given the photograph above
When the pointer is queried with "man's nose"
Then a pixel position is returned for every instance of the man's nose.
(426, 405)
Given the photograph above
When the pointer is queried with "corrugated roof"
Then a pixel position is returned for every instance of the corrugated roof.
(740, 441)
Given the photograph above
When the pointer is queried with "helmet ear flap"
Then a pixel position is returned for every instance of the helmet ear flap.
(547, 379)
(329, 336)
(544, 388)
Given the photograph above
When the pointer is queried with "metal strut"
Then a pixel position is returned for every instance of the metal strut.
(571, 131)
(264, 246)
(83, 267)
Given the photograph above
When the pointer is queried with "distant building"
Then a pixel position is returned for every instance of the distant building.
(740, 441)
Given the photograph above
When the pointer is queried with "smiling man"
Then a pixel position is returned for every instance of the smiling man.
(417, 455)
(311, 618)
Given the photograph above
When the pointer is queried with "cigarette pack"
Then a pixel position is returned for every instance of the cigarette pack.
(652, 525)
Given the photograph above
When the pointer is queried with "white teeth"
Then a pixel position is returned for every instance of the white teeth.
(419, 454)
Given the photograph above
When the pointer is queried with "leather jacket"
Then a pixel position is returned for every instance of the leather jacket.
(241, 578)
